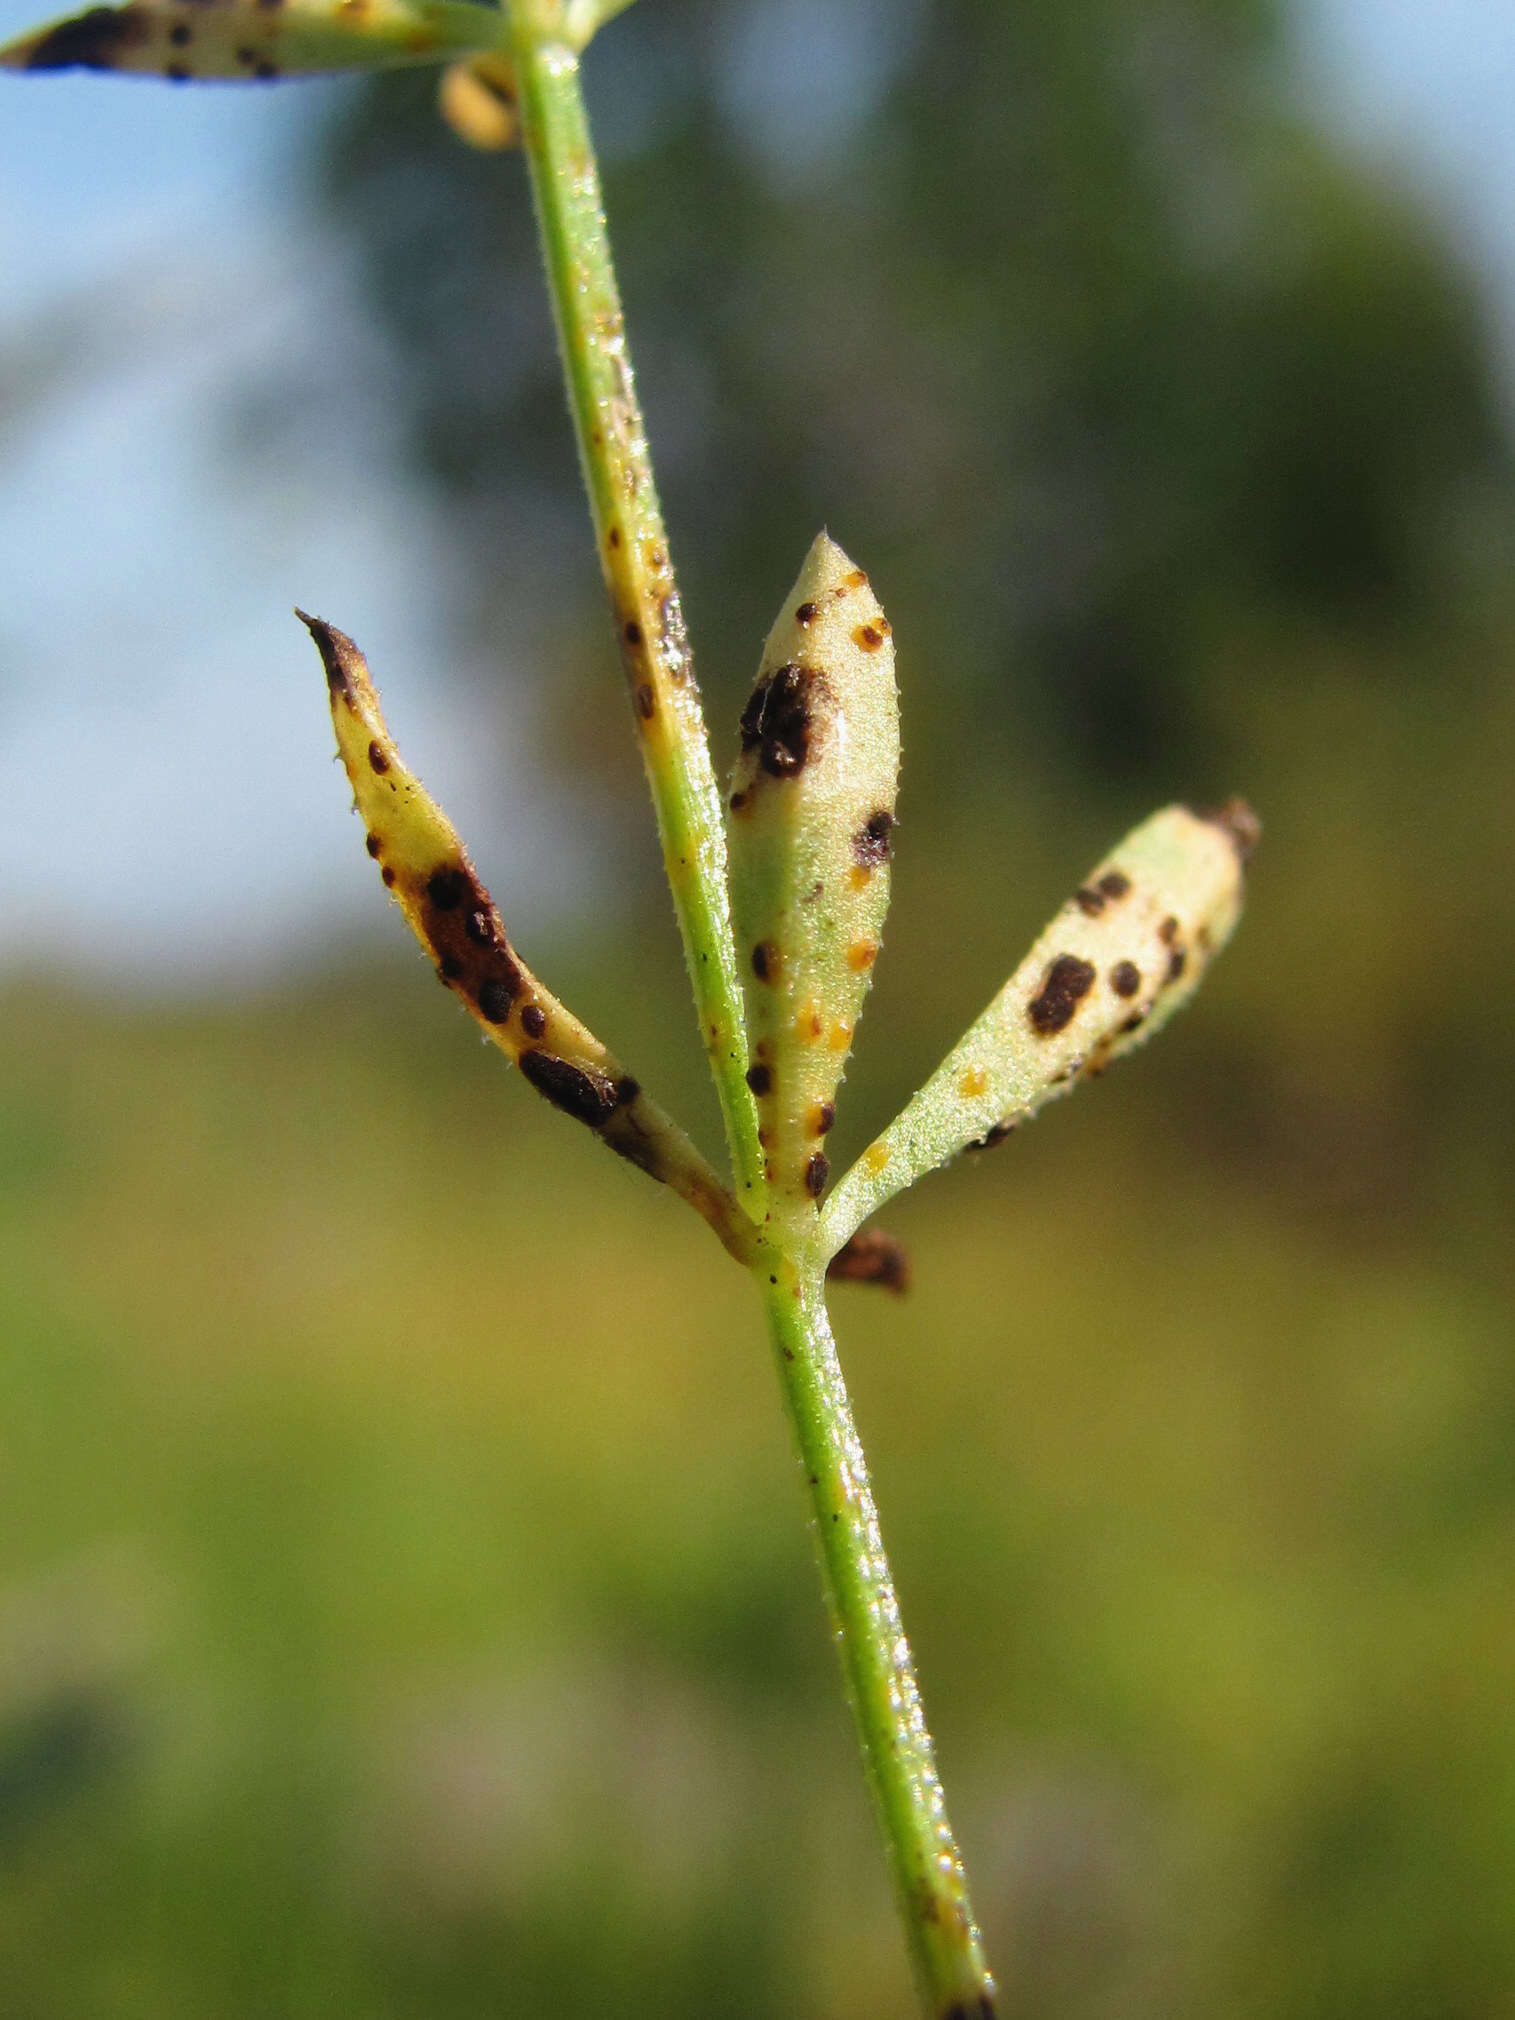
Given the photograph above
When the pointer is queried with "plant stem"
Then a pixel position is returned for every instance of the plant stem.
(927, 1869)
(633, 549)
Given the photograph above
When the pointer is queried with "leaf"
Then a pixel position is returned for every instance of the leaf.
(256, 41)
(427, 872)
(811, 813)
(1128, 948)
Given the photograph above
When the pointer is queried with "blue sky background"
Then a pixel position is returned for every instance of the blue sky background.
(152, 261)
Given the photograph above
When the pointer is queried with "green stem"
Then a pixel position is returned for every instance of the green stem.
(927, 1869)
(633, 549)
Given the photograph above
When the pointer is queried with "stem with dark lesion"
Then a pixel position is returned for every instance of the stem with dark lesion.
(635, 562)
(633, 549)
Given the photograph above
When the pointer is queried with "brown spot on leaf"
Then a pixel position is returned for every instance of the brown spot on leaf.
(631, 631)
(870, 845)
(1177, 962)
(646, 700)
(868, 636)
(817, 1171)
(533, 1020)
(95, 40)
(377, 761)
(1064, 987)
(778, 721)
(387, 876)
(759, 1078)
(1114, 884)
(374, 846)
(447, 888)
(495, 998)
(821, 1117)
(806, 613)
(181, 35)
(1089, 901)
(1167, 932)
(580, 1091)
(1125, 978)
(765, 961)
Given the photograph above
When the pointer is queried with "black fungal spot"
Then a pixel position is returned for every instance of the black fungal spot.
(738, 801)
(765, 961)
(533, 1020)
(1089, 901)
(480, 929)
(626, 1091)
(817, 1171)
(451, 967)
(374, 846)
(994, 1135)
(778, 721)
(1177, 962)
(494, 999)
(1125, 978)
(181, 35)
(759, 1079)
(646, 700)
(613, 538)
(1134, 1023)
(632, 632)
(91, 41)
(806, 613)
(870, 845)
(1067, 982)
(387, 877)
(1114, 884)
(376, 758)
(446, 888)
(580, 1091)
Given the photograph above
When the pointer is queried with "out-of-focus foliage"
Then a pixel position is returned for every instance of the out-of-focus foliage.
(420, 1623)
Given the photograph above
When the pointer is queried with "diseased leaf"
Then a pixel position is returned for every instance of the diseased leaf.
(1122, 955)
(256, 41)
(427, 872)
(811, 812)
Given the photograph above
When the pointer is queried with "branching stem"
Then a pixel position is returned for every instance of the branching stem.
(633, 548)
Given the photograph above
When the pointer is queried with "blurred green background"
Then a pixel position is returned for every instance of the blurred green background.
(405, 1604)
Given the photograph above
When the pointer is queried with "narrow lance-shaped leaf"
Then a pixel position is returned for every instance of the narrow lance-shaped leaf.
(1122, 955)
(428, 873)
(256, 41)
(811, 812)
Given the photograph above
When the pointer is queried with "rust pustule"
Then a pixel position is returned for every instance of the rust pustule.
(870, 845)
(1125, 978)
(580, 1091)
(1067, 982)
(778, 721)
